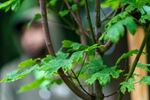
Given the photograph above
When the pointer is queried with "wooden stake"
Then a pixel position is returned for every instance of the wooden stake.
(134, 42)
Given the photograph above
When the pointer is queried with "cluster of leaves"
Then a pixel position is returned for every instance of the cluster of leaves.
(73, 53)
(116, 27)
(50, 65)
(93, 68)
(11, 4)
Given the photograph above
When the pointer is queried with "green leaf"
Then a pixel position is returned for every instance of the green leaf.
(101, 77)
(73, 45)
(77, 57)
(144, 19)
(146, 80)
(147, 9)
(115, 73)
(63, 13)
(127, 85)
(125, 56)
(60, 61)
(115, 32)
(130, 24)
(18, 74)
(115, 28)
(27, 63)
(61, 55)
(90, 48)
(36, 18)
(111, 3)
(74, 7)
(11, 4)
(35, 84)
(52, 2)
(104, 76)
(15, 6)
(6, 4)
(143, 66)
(46, 59)
(95, 64)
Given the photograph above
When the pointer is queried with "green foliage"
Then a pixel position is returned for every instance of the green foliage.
(18, 74)
(127, 85)
(36, 18)
(52, 2)
(35, 84)
(94, 65)
(145, 18)
(88, 57)
(111, 3)
(146, 80)
(72, 46)
(63, 13)
(11, 4)
(143, 66)
(27, 63)
(104, 76)
(116, 27)
(74, 7)
(145, 11)
(126, 55)
(99, 71)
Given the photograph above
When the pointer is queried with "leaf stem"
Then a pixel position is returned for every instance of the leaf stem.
(80, 83)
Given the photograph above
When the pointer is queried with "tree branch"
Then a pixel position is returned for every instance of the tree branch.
(64, 77)
(80, 83)
(76, 19)
(97, 16)
(89, 20)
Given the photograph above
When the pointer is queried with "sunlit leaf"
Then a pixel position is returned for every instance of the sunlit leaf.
(35, 84)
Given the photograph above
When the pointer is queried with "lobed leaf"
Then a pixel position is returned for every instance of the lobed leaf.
(146, 80)
(35, 84)
(73, 45)
(143, 66)
(27, 63)
(104, 76)
(127, 85)
(18, 74)
(126, 55)
(6, 4)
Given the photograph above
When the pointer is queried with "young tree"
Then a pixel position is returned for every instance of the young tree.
(83, 61)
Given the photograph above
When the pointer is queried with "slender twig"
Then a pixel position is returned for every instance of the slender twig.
(97, 16)
(76, 19)
(83, 37)
(46, 28)
(106, 46)
(84, 59)
(64, 77)
(89, 20)
(136, 59)
(108, 15)
(80, 83)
